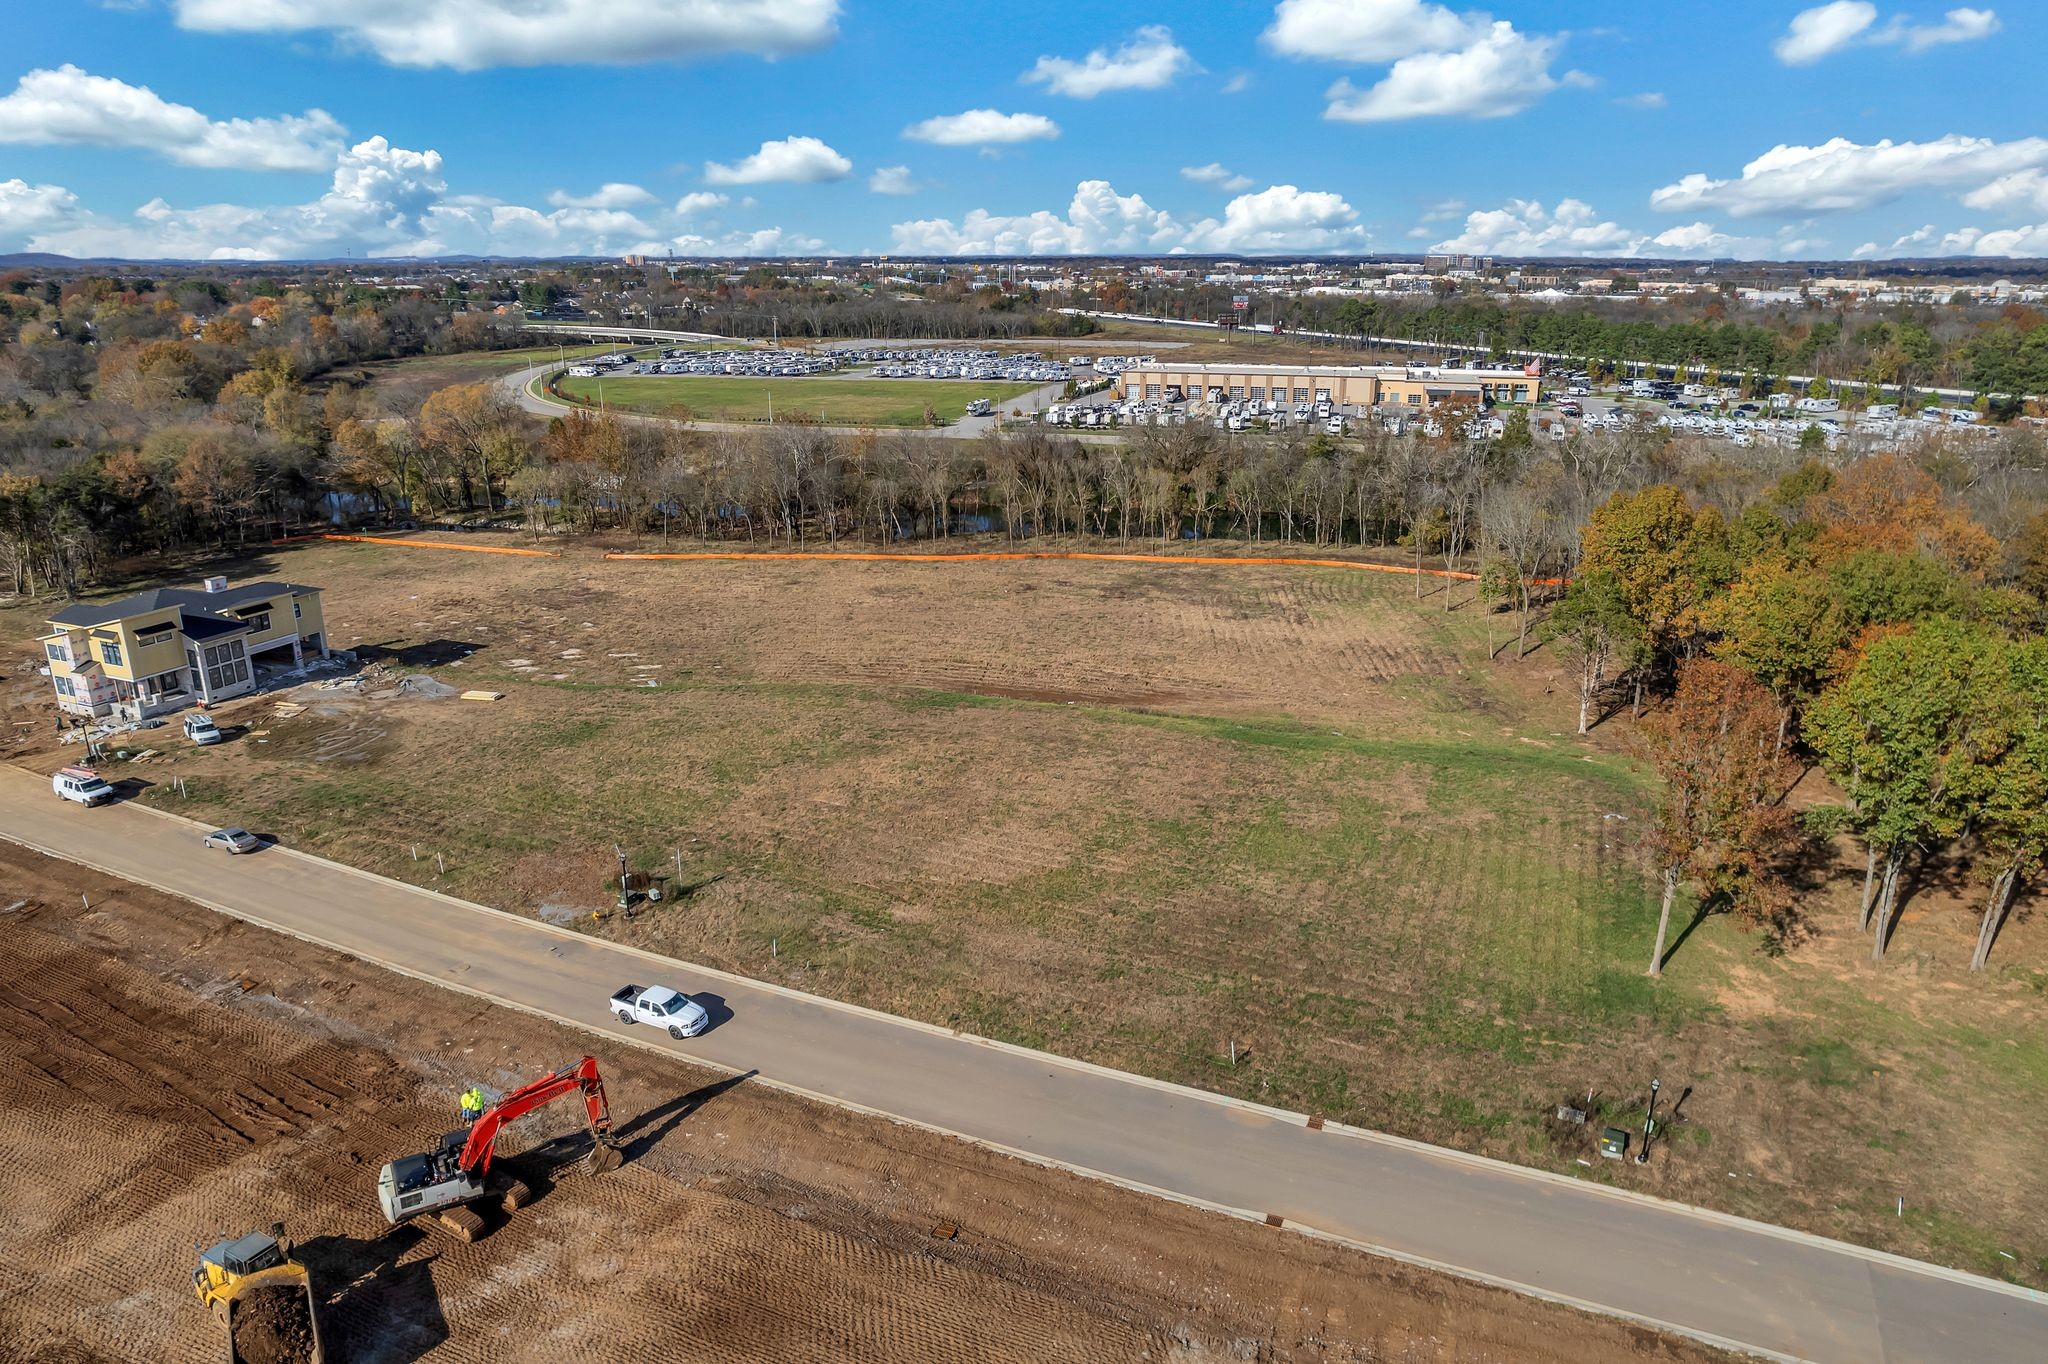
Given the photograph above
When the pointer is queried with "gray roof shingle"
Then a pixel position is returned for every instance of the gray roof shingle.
(164, 598)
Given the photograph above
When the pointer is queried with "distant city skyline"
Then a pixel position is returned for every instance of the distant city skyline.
(256, 129)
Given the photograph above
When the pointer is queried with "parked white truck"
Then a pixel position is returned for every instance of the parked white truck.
(662, 1007)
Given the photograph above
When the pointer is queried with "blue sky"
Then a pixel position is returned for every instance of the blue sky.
(292, 128)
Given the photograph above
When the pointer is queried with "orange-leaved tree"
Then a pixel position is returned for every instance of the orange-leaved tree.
(1722, 823)
(1885, 503)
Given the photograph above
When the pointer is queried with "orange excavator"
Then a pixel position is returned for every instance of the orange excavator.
(442, 1183)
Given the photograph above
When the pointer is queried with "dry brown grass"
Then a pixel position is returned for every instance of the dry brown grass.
(1135, 813)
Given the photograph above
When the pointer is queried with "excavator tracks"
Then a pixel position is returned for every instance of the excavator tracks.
(461, 1223)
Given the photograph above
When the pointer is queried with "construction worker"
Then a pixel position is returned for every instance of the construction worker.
(472, 1104)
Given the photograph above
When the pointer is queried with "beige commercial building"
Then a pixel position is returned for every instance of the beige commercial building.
(1414, 388)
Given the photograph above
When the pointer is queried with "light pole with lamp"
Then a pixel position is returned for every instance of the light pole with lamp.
(1649, 1123)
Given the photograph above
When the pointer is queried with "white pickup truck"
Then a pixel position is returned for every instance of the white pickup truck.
(661, 1006)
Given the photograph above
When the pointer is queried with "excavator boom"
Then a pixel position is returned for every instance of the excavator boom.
(583, 1076)
(438, 1182)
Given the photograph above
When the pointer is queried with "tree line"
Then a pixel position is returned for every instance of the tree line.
(1858, 618)
(1879, 617)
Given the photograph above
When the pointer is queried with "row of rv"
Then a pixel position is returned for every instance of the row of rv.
(590, 366)
(747, 364)
(980, 365)
(1236, 416)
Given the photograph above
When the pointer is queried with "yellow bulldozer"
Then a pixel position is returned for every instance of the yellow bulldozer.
(263, 1297)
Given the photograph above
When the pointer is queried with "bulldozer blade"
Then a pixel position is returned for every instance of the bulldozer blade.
(603, 1158)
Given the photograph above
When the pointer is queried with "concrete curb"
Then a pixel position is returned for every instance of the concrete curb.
(676, 1052)
(1464, 1158)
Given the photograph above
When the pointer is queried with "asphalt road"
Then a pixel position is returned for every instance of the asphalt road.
(1732, 1282)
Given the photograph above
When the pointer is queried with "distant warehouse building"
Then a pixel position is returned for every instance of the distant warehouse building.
(1414, 388)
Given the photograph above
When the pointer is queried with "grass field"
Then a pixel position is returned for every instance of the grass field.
(834, 401)
(1137, 814)
(406, 383)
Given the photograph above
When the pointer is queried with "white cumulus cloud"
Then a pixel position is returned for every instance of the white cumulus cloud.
(26, 208)
(1097, 220)
(382, 201)
(697, 204)
(1215, 173)
(2011, 241)
(791, 160)
(612, 194)
(1957, 26)
(1911, 244)
(1840, 175)
(1100, 221)
(471, 35)
(1499, 74)
(69, 106)
(766, 241)
(1368, 30)
(1524, 227)
(1699, 240)
(1149, 60)
(1824, 30)
(981, 128)
(2024, 191)
(893, 180)
(1281, 218)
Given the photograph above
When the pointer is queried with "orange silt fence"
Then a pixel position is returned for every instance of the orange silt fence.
(428, 544)
(1001, 556)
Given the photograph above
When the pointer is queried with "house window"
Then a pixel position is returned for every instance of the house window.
(258, 622)
(1301, 395)
(296, 613)
(1236, 392)
(1151, 390)
(1521, 393)
(159, 637)
(63, 685)
(58, 653)
(226, 666)
(110, 653)
(1258, 393)
(1415, 400)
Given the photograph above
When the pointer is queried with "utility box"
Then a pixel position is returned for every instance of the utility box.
(1614, 1143)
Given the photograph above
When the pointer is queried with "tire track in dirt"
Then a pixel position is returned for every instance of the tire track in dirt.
(153, 1120)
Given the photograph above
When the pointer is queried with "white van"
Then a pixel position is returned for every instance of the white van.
(81, 784)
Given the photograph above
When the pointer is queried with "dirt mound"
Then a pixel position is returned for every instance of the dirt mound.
(273, 1326)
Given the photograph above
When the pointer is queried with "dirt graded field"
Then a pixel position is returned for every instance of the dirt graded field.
(1150, 816)
(169, 1076)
